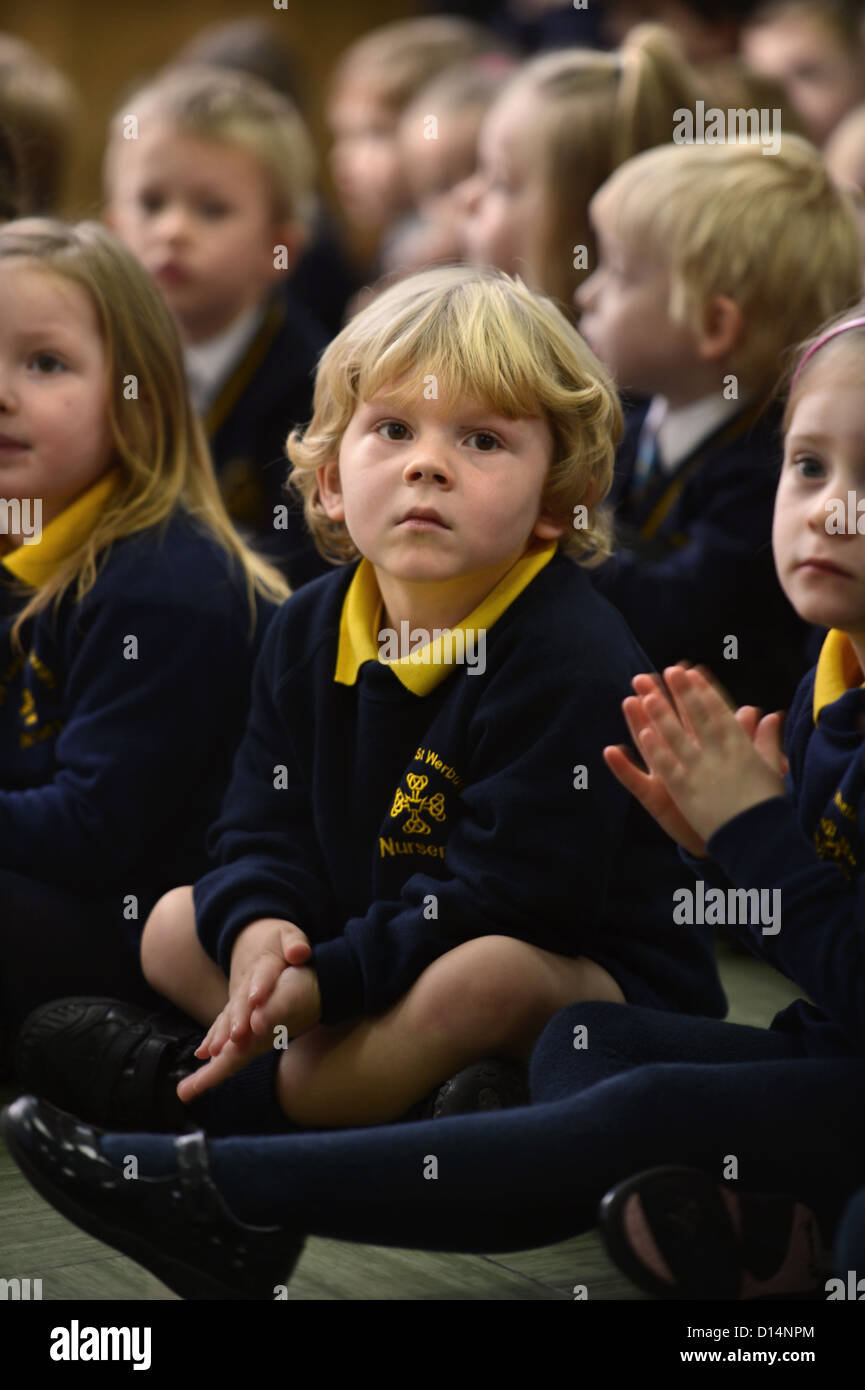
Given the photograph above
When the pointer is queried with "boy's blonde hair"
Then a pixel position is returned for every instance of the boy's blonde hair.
(159, 445)
(587, 112)
(212, 103)
(773, 233)
(459, 331)
(39, 107)
(394, 60)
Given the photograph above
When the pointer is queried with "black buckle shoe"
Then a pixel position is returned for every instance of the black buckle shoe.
(177, 1226)
(109, 1062)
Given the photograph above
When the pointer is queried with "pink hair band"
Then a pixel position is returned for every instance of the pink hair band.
(825, 338)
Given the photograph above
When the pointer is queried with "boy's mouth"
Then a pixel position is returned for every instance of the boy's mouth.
(12, 445)
(424, 519)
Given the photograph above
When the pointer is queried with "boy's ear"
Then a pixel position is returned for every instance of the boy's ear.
(330, 489)
(721, 329)
(546, 528)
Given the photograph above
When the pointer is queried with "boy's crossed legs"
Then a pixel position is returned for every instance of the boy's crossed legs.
(491, 996)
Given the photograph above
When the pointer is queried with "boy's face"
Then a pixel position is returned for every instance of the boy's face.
(198, 214)
(821, 79)
(55, 437)
(434, 491)
(503, 201)
(821, 565)
(625, 319)
(365, 159)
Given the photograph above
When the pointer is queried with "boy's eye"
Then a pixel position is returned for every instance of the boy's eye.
(214, 210)
(486, 442)
(395, 425)
(151, 202)
(47, 363)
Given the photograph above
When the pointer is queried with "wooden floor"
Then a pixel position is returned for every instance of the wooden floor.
(37, 1243)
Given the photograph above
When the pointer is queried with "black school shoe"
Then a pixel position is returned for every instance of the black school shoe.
(111, 1063)
(178, 1226)
(490, 1085)
(672, 1232)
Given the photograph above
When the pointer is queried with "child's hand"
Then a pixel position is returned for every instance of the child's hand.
(650, 790)
(258, 958)
(710, 764)
(294, 1001)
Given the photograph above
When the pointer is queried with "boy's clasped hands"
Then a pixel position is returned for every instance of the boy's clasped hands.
(270, 984)
(706, 763)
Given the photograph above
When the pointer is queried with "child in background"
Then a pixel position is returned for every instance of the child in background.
(374, 81)
(131, 615)
(323, 278)
(559, 129)
(714, 261)
(651, 1088)
(211, 189)
(421, 855)
(814, 49)
(844, 156)
(438, 137)
(40, 108)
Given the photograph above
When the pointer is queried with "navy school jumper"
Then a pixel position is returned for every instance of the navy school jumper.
(268, 392)
(696, 562)
(119, 720)
(391, 824)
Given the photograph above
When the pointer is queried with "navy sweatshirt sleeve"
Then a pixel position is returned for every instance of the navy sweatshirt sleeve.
(270, 861)
(137, 734)
(531, 856)
(821, 944)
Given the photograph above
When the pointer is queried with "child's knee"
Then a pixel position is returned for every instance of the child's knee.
(491, 986)
(166, 936)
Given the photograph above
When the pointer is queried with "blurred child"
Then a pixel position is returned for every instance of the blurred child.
(374, 81)
(323, 277)
(422, 856)
(844, 155)
(438, 136)
(559, 129)
(40, 108)
(814, 49)
(651, 1090)
(714, 260)
(131, 614)
(208, 179)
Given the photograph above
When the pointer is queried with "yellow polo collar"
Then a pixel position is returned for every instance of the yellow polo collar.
(837, 670)
(35, 564)
(361, 618)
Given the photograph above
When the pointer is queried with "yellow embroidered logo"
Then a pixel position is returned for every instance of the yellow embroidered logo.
(416, 802)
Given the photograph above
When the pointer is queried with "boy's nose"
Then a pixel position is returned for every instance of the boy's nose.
(429, 465)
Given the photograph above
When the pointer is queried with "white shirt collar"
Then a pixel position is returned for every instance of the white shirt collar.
(680, 431)
(209, 363)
